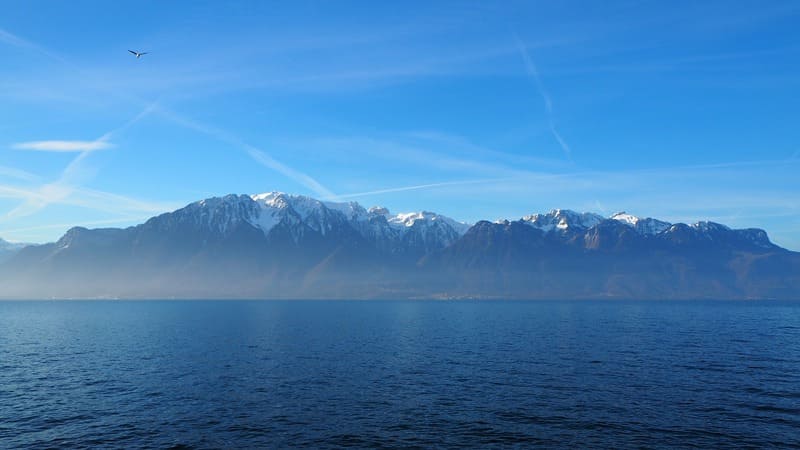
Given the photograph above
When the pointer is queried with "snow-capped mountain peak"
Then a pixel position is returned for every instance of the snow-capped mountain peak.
(411, 233)
(647, 226)
(408, 219)
(307, 206)
(272, 199)
(706, 226)
(297, 210)
(378, 211)
(562, 220)
(377, 223)
(302, 206)
(424, 218)
(624, 217)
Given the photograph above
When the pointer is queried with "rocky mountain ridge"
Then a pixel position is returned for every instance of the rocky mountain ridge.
(276, 245)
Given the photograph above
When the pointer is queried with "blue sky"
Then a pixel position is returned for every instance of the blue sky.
(683, 111)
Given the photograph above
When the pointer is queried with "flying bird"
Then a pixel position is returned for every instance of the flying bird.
(138, 54)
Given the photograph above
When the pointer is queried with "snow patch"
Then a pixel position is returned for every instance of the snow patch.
(562, 220)
(647, 226)
(278, 206)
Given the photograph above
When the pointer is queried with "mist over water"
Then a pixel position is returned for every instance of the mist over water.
(275, 374)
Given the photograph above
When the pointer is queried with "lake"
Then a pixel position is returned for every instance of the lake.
(273, 374)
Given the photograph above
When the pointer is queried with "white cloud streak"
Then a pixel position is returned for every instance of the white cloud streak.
(12, 39)
(55, 192)
(85, 198)
(420, 156)
(258, 155)
(71, 177)
(101, 143)
(420, 187)
(548, 103)
(63, 146)
(270, 162)
(142, 114)
(8, 231)
(11, 172)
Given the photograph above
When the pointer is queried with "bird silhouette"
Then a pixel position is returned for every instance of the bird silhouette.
(138, 54)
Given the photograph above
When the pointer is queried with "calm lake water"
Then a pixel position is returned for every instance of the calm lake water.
(399, 374)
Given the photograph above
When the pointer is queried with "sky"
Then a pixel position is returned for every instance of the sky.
(680, 110)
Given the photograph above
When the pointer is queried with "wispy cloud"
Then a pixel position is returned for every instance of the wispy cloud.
(420, 187)
(255, 153)
(85, 198)
(302, 178)
(11, 172)
(462, 145)
(44, 233)
(71, 146)
(133, 219)
(148, 109)
(410, 153)
(63, 146)
(677, 193)
(73, 175)
(548, 103)
(49, 193)
(12, 39)
(120, 204)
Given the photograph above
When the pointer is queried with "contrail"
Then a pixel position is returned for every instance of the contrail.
(561, 142)
(12, 172)
(86, 198)
(69, 225)
(420, 186)
(16, 41)
(142, 114)
(258, 155)
(69, 180)
(268, 161)
(548, 104)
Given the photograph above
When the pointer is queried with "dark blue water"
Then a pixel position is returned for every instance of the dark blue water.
(399, 374)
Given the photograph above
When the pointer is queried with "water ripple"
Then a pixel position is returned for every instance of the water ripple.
(206, 375)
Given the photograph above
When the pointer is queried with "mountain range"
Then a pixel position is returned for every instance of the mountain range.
(8, 249)
(277, 245)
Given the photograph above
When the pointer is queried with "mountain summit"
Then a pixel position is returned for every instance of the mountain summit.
(8, 249)
(277, 245)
